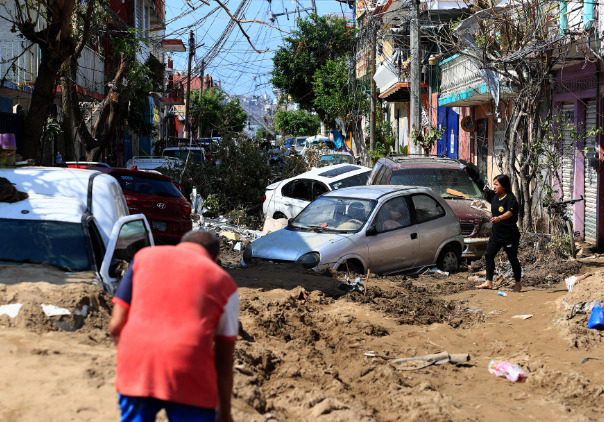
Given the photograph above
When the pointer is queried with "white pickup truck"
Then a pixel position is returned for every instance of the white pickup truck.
(153, 162)
(75, 220)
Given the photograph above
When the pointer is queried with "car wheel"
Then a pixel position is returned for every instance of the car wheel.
(351, 266)
(279, 215)
(448, 260)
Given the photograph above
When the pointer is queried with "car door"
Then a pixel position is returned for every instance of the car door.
(427, 215)
(295, 196)
(396, 244)
(129, 235)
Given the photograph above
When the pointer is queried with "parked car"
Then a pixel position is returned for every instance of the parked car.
(320, 143)
(297, 143)
(195, 154)
(285, 199)
(385, 229)
(455, 182)
(75, 220)
(158, 198)
(152, 162)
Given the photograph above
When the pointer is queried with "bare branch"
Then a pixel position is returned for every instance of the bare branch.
(239, 22)
(86, 32)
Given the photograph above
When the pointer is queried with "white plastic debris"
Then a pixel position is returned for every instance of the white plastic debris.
(570, 282)
(12, 310)
(237, 246)
(52, 310)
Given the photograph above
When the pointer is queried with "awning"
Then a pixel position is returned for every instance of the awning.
(399, 93)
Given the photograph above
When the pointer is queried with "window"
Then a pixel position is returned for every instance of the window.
(356, 180)
(318, 189)
(133, 237)
(298, 189)
(147, 186)
(55, 243)
(447, 182)
(393, 215)
(426, 208)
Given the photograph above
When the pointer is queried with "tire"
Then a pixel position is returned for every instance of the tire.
(351, 266)
(278, 215)
(449, 259)
(571, 238)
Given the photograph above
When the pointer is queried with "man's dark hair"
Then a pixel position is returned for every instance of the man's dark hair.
(504, 181)
(204, 238)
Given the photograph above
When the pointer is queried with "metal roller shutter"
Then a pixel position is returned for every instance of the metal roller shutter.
(591, 176)
(568, 152)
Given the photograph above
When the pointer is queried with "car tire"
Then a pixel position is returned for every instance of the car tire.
(351, 266)
(449, 259)
(278, 215)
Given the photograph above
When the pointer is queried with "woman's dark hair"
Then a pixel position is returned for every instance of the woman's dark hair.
(504, 181)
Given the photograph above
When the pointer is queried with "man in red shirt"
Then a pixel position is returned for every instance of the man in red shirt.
(175, 322)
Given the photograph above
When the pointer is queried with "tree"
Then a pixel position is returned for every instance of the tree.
(219, 115)
(296, 123)
(513, 47)
(316, 41)
(341, 98)
(48, 24)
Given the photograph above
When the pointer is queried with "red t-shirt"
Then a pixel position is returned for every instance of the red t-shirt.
(180, 301)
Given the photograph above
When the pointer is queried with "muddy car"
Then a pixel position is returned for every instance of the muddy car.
(385, 229)
(455, 182)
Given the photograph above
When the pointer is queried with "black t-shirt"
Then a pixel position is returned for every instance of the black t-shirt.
(505, 229)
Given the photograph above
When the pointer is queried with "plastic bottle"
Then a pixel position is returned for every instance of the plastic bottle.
(596, 319)
(502, 368)
(500, 293)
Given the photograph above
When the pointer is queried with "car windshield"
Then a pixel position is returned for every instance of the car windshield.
(332, 159)
(356, 180)
(334, 214)
(289, 142)
(148, 186)
(300, 142)
(447, 182)
(182, 154)
(322, 144)
(55, 243)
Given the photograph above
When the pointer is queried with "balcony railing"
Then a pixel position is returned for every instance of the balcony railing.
(459, 74)
(19, 64)
(91, 74)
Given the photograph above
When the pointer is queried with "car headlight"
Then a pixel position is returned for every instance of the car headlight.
(248, 254)
(309, 260)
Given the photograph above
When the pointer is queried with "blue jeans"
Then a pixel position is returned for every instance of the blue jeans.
(144, 409)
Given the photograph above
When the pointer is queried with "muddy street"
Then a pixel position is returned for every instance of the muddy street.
(304, 343)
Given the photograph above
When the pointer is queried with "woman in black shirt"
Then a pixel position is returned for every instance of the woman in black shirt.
(504, 233)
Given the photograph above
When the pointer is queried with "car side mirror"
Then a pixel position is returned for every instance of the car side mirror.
(371, 231)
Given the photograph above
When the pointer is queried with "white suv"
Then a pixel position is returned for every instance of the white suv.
(75, 220)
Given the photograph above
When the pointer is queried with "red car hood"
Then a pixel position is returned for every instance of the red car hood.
(465, 212)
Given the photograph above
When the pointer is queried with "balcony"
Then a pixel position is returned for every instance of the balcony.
(463, 84)
(91, 74)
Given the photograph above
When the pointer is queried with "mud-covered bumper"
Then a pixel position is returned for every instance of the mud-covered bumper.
(474, 247)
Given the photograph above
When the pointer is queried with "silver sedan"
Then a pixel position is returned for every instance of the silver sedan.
(384, 229)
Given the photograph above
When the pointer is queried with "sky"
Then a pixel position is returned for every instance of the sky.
(241, 70)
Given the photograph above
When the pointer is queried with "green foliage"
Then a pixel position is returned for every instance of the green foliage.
(426, 138)
(384, 137)
(317, 40)
(335, 93)
(296, 123)
(219, 115)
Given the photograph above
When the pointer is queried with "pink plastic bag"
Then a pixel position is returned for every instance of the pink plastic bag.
(502, 368)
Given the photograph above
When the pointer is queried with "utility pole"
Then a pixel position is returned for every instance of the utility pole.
(203, 78)
(188, 132)
(415, 74)
(373, 93)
